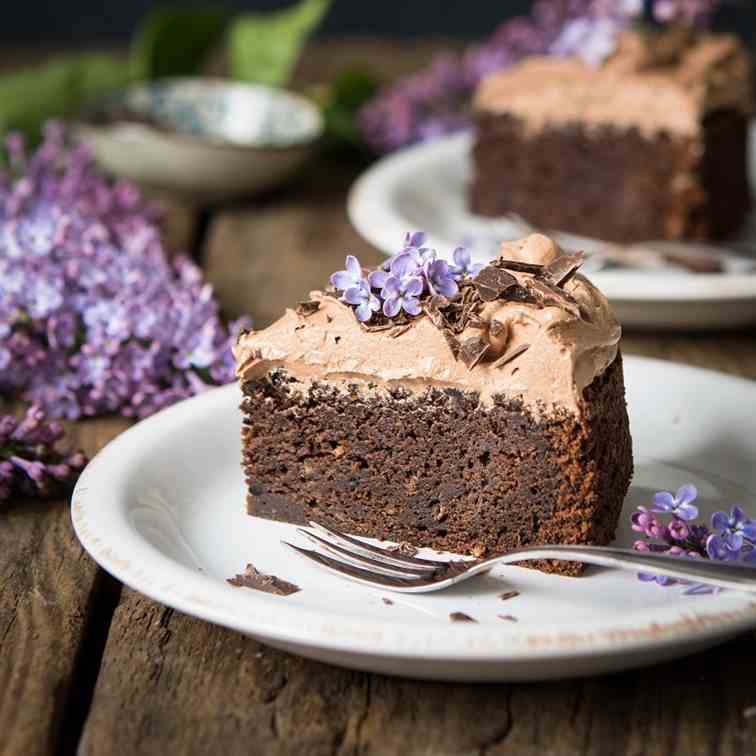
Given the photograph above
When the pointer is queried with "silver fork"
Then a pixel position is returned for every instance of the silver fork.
(364, 563)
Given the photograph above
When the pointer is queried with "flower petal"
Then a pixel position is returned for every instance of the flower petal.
(354, 295)
(461, 257)
(374, 302)
(447, 287)
(749, 530)
(686, 511)
(353, 267)
(363, 312)
(414, 239)
(737, 515)
(404, 266)
(411, 306)
(720, 521)
(414, 287)
(377, 279)
(392, 306)
(391, 288)
(663, 502)
(476, 268)
(686, 494)
(342, 280)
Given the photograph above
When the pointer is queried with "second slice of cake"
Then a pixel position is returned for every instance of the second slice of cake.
(478, 411)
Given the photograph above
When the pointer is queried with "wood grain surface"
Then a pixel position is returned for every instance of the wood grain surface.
(87, 668)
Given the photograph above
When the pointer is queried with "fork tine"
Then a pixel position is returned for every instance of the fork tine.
(360, 560)
(360, 575)
(369, 550)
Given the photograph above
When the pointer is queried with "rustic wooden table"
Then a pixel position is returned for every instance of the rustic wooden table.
(88, 666)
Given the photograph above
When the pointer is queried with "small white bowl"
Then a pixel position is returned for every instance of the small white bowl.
(206, 139)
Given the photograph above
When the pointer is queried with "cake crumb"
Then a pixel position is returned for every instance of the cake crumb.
(461, 617)
(259, 581)
(508, 595)
(750, 712)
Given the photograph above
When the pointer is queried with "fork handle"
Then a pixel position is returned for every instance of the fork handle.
(721, 574)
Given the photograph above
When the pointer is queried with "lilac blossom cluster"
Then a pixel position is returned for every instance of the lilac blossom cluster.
(400, 284)
(94, 317)
(731, 536)
(30, 464)
(436, 100)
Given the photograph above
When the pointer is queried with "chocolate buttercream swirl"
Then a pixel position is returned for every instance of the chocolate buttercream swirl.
(565, 351)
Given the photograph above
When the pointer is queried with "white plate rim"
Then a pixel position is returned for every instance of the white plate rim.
(374, 215)
(120, 550)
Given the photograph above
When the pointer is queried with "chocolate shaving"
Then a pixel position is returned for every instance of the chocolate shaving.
(560, 270)
(508, 595)
(492, 282)
(453, 343)
(513, 354)
(252, 578)
(507, 617)
(433, 309)
(461, 617)
(548, 295)
(473, 350)
(497, 328)
(388, 601)
(307, 308)
(399, 330)
(517, 266)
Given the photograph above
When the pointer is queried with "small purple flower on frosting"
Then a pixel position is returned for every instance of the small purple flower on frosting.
(440, 279)
(463, 265)
(679, 504)
(734, 528)
(402, 294)
(365, 302)
(349, 277)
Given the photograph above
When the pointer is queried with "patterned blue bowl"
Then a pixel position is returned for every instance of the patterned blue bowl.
(209, 139)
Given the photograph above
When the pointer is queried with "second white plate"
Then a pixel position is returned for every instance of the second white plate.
(425, 187)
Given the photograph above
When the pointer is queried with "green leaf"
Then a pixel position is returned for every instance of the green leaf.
(30, 96)
(173, 41)
(264, 47)
(341, 102)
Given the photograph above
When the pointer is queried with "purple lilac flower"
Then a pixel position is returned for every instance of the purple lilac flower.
(95, 317)
(364, 301)
(732, 538)
(463, 265)
(30, 464)
(436, 100)
(734, 528)
(402, 294)
(440, 279)
(350, 276)
(679, 505)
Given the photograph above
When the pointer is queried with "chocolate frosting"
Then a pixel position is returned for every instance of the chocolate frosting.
(564, 353)
(663, 81)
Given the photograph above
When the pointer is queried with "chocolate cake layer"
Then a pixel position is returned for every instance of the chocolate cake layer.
(615, 184)
(438, 469)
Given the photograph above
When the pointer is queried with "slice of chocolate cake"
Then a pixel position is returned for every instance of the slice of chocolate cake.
(650, 145)
(471, 413)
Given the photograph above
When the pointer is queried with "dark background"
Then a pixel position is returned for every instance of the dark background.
(36, 21)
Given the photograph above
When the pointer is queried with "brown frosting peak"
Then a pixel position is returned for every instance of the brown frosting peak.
(660, 81)
(546, 355)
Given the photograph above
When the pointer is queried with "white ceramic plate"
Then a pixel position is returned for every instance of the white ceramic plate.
(162, 509)
(424, 188)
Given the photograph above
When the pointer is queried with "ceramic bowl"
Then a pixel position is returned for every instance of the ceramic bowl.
(206, 139)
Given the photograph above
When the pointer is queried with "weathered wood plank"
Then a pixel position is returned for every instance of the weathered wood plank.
(46, 589)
